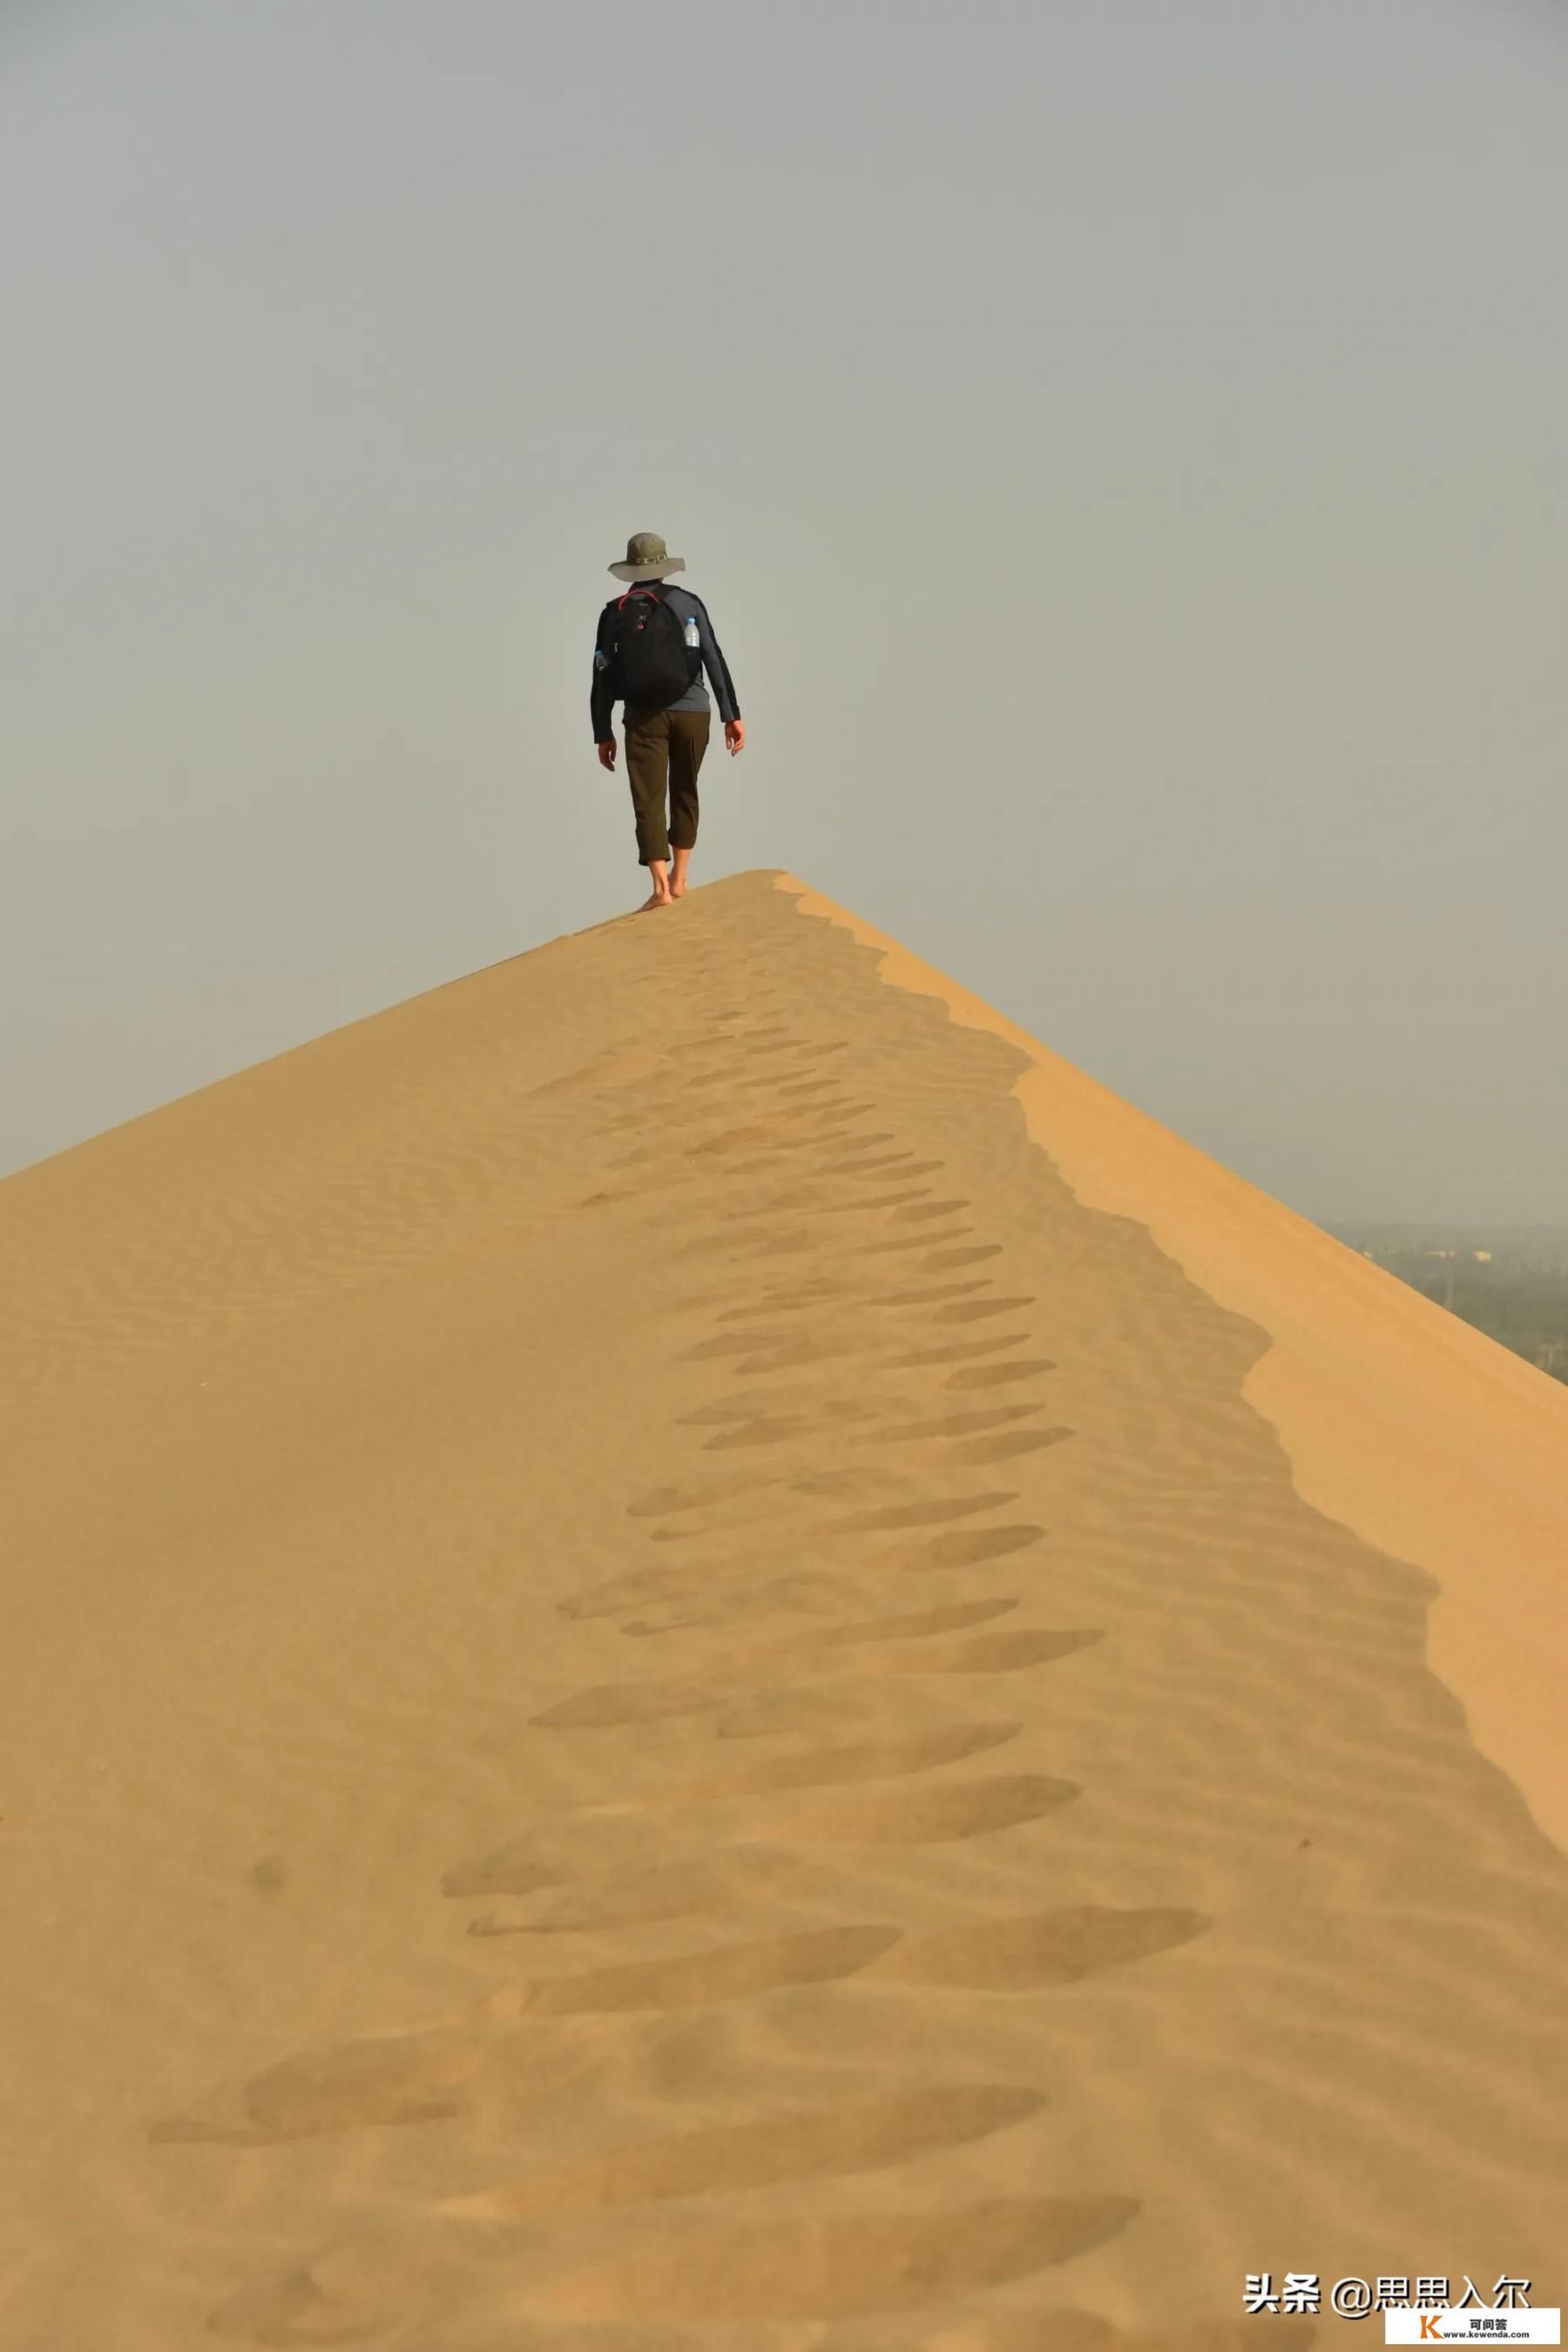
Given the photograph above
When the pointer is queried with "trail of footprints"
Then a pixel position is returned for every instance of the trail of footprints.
(868, 1386)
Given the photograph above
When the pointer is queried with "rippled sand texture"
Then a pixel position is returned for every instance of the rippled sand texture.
(656, 1696)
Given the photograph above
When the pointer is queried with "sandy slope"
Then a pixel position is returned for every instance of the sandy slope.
(658, 1693)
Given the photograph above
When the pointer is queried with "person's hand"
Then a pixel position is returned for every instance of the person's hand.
(735, 734)
(607, 754)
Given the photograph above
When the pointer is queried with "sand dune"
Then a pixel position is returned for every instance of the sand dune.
(699, 1652)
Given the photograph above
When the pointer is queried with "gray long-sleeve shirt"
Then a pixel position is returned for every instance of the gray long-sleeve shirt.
(686, 607)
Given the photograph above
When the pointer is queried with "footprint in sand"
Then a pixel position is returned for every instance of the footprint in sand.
(612, 1707)
(783, 1353)
(871, 1760)
(717, 1590)
(977, 1311)
(1045, 1947)
(857, 1165)
(983, 1653)
(803, 1298)
(940, 1427)
(898, 2129)
(782, 1429)
(774, 1245)
(726, 1880)
(615, 1069)
(403, 2079)
(815, 1595)
(732, 1343)
(604, 1839)
(961, 1353)
(639, 1585)
(766, 1495)
(869, 1478)
(813, 1956)
(908, 1627)
(852, 1158)
(823, 1709)
(616, 1838)
(961, 1548)
(664, 1501)
(793, 2269)
(427, 2076)
(930, 1816)
(1005, 1446)
(927, 1294)
(992, 1376)
(812, 1706)
(898, 1168)
(905, 1196)
(775, 1201)
(616, 1705)
(903, 1243)
(776, 1403)
(893, 1515)
(781, 1130)
(747, 1290)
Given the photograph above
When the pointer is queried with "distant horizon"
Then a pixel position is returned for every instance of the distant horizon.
(1338, 1224)
(1446, 1226)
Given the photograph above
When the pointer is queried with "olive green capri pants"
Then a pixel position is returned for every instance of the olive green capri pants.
(665, 745)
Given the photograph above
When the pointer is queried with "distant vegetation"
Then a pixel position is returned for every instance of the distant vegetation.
(1508, 1281)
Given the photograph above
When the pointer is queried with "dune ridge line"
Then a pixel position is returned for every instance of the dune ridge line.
(1413, 1430)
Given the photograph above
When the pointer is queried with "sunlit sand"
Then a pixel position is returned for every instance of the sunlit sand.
(699, 1651)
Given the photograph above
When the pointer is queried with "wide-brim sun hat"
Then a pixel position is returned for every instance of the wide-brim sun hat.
(647, 557)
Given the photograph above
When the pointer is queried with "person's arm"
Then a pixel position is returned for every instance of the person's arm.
(717, 667)
(602, 699)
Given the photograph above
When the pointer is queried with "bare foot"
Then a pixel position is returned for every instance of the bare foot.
(659, 899)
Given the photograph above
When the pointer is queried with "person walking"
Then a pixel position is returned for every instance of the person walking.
(653, 646)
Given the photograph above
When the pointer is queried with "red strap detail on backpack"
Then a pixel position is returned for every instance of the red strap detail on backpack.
(627, 599)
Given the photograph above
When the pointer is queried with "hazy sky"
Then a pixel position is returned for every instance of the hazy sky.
(1123, 445)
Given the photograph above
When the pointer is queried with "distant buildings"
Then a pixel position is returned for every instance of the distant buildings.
(1513, 1285)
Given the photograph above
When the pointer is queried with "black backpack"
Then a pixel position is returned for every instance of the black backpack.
(650, 662)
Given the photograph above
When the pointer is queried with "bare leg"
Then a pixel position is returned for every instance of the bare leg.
(658, 875)
(678, 878)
